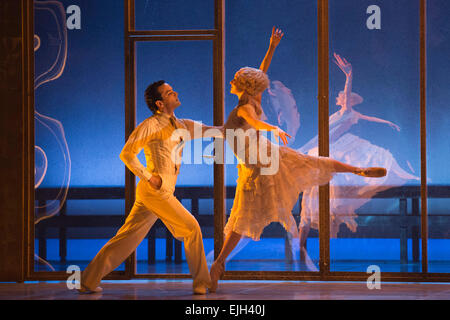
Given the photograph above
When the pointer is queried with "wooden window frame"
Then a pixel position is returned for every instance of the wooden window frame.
(217, 36)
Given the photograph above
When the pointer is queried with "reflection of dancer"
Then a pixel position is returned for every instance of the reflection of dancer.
(53, 126)
(350, 148)
(262, 199)
(283, 103)
(154, 193)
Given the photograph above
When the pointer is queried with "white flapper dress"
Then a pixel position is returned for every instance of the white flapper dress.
(267, 191)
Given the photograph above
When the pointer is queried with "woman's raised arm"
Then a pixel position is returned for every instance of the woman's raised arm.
(346, 67)
(275, 39)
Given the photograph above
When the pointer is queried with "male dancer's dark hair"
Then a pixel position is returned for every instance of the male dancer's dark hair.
(152, 95)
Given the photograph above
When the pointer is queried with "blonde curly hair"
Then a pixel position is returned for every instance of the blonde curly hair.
(250, 80)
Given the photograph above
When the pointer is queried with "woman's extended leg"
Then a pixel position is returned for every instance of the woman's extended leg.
(218, 267)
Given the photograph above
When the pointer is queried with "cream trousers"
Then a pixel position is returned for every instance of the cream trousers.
(150, 205)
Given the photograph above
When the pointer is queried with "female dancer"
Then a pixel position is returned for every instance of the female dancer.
(261, 198)
(360, 152)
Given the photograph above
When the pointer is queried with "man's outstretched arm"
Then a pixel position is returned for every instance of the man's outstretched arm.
(195, 128)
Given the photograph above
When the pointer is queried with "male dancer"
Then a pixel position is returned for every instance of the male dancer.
(154, 193)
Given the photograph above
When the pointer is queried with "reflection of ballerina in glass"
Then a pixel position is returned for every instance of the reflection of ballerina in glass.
(53, 127)
(347, 147)
(284, 105)
(264, 197)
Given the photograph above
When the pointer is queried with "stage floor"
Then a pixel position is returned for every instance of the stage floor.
(228, 290)
(163, 267)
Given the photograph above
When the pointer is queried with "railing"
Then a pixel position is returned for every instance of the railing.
(403, 225)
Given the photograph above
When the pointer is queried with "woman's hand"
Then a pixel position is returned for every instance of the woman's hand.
(343, 64)
(283, 135)
(275, 39)
(155, 182)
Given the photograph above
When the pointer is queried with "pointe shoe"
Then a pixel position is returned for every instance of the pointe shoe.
(85, 290)
(216, 272)
(372, 172)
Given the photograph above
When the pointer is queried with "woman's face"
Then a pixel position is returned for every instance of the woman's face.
(234, 89)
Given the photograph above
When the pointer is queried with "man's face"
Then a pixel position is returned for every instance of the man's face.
(169, 97)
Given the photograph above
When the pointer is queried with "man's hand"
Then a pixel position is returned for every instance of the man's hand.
(155, 182)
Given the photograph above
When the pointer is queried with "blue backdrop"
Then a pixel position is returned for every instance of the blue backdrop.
(88, 98)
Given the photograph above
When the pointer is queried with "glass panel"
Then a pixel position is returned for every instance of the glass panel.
(438, 122)
(375, 122)
(79, 120)
(188, 67)
(174, 15)
(291, 105)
